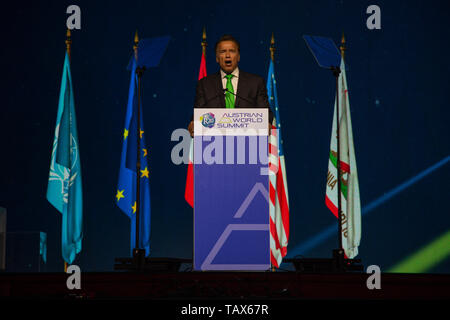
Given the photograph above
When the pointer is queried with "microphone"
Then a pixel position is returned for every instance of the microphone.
(206, 102)
(252, 103)
(238, 96)
(210, 99)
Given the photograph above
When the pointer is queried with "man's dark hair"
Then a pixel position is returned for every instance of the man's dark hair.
(227, 37)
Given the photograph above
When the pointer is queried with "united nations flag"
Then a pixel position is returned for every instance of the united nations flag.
(64, 189)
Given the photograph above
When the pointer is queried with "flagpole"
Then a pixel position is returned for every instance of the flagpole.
(204, 43)
(342, 49)
(272, 48)
(68, 50)
(138, 158)
(138, 252)
(336, 72)
(272, 57)
(68, 42)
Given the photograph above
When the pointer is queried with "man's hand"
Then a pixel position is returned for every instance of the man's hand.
(191, 128)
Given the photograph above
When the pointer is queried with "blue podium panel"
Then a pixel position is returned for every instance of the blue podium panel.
(231, 197)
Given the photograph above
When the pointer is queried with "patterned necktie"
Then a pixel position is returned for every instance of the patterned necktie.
(229, 97)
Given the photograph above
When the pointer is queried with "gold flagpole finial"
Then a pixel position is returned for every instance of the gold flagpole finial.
(342, 47)
(68, 42)
(272, 47)
(135, 46)
(204, 43)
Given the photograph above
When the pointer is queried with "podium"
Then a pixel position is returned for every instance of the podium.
(231, 190)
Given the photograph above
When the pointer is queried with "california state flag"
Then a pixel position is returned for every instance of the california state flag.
(350, 203)
(189, 190)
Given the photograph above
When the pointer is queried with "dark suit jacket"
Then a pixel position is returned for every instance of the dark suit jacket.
(251, 92)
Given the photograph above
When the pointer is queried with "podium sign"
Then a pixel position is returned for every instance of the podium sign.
(231, 197)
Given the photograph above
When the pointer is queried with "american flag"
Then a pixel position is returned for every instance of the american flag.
(278, 188)
(189, 190)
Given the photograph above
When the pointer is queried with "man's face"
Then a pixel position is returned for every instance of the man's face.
(227, 56)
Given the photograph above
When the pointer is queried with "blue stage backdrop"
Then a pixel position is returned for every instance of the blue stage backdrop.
(399, 88)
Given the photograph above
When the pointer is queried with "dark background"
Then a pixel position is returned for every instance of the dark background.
(398, 80)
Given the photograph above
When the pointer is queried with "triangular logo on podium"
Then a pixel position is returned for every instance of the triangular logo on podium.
(207, 263)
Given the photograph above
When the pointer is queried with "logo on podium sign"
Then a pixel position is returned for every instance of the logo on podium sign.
(208, 120)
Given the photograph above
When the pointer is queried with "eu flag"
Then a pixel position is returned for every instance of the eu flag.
(126, 188)
(64, 189)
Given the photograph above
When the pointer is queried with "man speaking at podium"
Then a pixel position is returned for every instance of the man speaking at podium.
(230, 87)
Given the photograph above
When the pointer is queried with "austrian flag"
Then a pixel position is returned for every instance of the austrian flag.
(189, 190)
